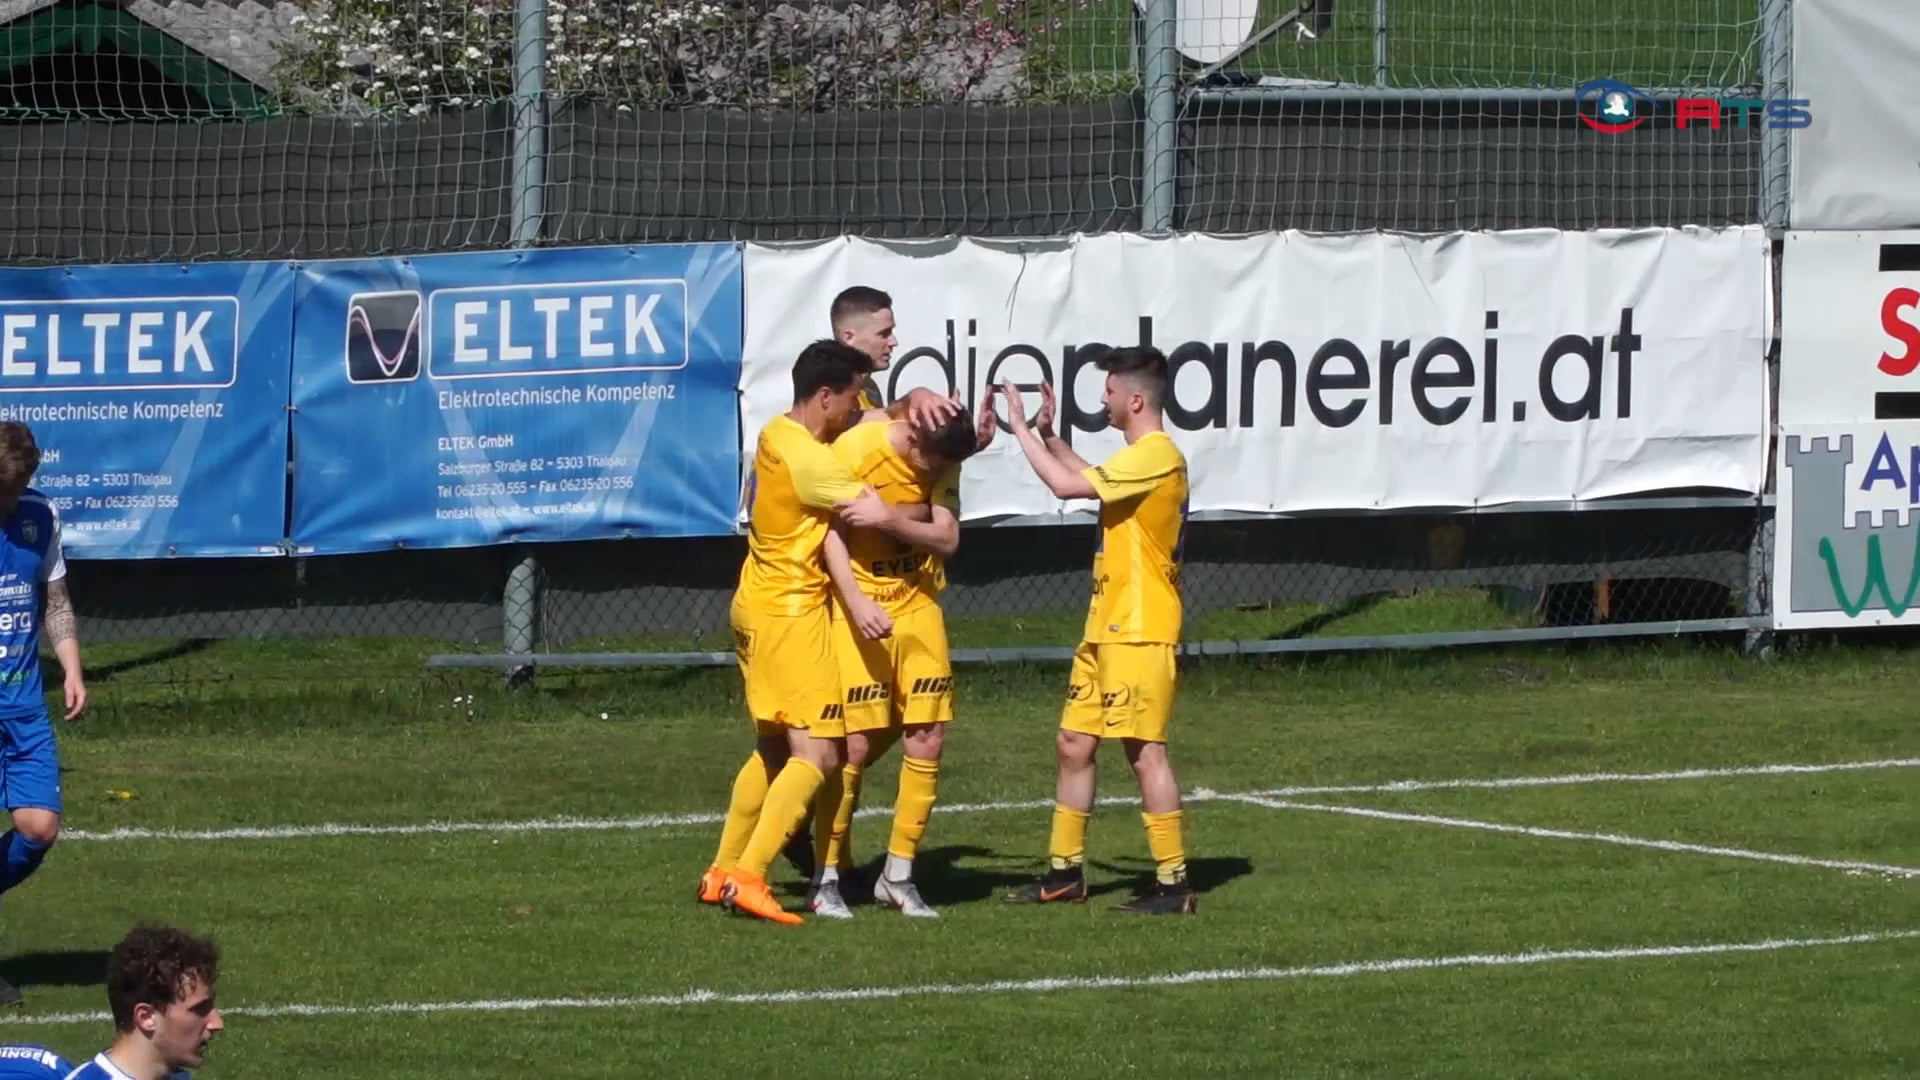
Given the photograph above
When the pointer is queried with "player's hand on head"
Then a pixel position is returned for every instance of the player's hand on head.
(927, 409)
(989, 423)
(867, 510)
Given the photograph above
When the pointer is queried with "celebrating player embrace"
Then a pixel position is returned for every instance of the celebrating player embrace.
(1123, 670)
(891, 641)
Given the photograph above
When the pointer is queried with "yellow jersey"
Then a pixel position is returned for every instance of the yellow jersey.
(899, 577)
(795, 483)
(1143, 517)
(869, 394)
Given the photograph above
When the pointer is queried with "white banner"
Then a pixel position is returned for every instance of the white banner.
(1854, 166)
(1355, 371)
(1849, 327)
(1845, 551)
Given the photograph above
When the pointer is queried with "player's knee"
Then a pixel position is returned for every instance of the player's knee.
(1147, 758)
(40, 826)
(1074, 748)
(925, 741)
(826, 754)
(859, 749)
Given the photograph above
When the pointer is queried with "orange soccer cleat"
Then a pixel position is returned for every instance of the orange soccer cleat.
(749, 893)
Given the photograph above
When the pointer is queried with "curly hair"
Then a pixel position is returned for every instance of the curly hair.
(19, 457)
(153, 965)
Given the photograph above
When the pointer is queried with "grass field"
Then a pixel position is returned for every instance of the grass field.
(1447, 43)
(1487, 928)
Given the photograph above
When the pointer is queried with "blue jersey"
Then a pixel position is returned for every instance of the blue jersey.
(21, 1062)
(102, 1069)
(29, 558)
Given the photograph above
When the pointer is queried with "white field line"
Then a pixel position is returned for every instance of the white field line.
(1019, 986)
(667, 821)
(1566, 834)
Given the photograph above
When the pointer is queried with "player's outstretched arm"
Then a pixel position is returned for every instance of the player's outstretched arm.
(1062, 479)
(62, 630)
(872, 622)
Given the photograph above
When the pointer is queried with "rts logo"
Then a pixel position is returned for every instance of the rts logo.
(1612, 107)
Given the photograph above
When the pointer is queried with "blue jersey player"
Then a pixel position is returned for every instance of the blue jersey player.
(34, 606)
(24, 1062)
(160, 992)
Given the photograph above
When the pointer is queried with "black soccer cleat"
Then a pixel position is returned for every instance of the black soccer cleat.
(1163, 899)
(1067, 886)
(9, 994)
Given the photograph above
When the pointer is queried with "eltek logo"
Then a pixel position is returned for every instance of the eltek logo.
(1613, 107)
(131, 343)
(1900, 320)
(562, 328)
(383, 337)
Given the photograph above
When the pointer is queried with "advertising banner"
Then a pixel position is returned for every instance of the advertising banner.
(1845, 551)
(158, 397)
(1352, 372)
(556, 394)
(1853, 166)
(1849, 327)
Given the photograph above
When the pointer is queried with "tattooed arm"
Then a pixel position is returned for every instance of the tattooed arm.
(61, 631)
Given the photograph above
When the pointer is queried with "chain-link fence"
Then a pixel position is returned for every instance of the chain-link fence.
(161, 130)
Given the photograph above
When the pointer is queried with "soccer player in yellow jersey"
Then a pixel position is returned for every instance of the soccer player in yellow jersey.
(781, 626)
(891, 641)
(1122, 684)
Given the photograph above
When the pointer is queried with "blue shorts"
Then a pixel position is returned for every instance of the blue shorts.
(29, 763)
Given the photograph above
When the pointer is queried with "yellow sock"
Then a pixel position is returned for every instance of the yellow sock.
(833, 819)
(787, 800)
(1068, 847)
(743, 810)
(1163, 840)
(919, 781)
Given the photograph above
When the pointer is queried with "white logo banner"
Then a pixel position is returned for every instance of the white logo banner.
(1347, 372)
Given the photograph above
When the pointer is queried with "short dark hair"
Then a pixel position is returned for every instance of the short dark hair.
(858, 300)
(152, 965)
(19, 457)
(953, 440)
(830, 364)
(1144, 364)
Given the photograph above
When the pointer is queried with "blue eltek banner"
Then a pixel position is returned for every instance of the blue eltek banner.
(158, 397)
(556, 394)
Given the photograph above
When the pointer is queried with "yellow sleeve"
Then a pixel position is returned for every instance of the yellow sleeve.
(819, 478)
(946, 491)
(1135, 470)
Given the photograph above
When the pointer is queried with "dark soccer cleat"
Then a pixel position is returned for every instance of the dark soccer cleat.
(1163, 899)
(1054, 887)
(9, 994)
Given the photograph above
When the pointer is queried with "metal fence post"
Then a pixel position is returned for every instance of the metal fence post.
(520, 618)
(1380, 66)
(1160, 80)
(1776, 59)
(529, 120)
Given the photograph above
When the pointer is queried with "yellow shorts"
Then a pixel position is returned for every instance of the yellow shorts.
(786, 662)
(1120, 691)
(902, 679)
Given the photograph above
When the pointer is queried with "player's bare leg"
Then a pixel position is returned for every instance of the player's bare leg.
(1160, 811)
(919, 786)
(1066, 877)
(833, 821)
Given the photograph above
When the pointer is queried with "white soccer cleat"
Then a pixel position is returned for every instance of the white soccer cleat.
(828, 903)
(902, 895)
